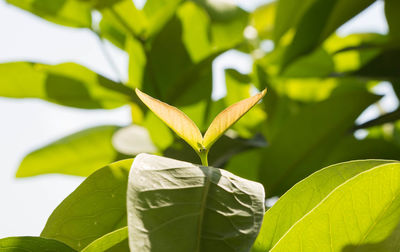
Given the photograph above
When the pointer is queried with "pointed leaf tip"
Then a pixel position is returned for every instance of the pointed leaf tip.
(228, 117)
(180, 123)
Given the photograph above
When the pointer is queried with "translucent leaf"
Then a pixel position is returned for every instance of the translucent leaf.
(228, 117)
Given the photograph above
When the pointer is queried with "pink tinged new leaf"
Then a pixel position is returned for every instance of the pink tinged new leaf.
(228, 117)
(175, 119)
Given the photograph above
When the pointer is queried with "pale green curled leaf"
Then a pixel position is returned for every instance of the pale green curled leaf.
(79, 154)
(349, 206)
(178, 206)
(64, 12)
(303, 197)
(175, 119)
(96, 208)
(66, 84)
(228, 117)
(32, 244)
(115, 241)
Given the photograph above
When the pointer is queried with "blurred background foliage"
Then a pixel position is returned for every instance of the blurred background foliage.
(318, 84)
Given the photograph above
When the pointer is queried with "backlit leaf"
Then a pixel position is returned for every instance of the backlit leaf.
(228, 117)
(74, 154)
(64, 12)
(32, 244)
(96, 208)
(116, 241)
(360, 212)
(303, 197)
(66, 84)
(175, 119)
(178, 206)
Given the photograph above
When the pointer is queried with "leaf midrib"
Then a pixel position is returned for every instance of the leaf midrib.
(203, 206)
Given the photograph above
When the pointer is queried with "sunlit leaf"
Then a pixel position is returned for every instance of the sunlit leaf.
(64, 12)
(96, 208)
(74, 154)
(228, 117)
(32, 244)
(175, 119)
(178, 206)
(360, 212)
(303, 197)
(116, 241)
(66, 84)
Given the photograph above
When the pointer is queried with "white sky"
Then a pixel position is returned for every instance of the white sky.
(25, 204)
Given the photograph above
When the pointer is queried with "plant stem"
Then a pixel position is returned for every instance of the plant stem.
(204, 158)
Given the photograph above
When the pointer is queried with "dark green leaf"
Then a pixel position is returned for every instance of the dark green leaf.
(392, 9)
(79, 154)
(384, 66)
(178, 206)
(66, 84)
(64, 12)
(96, 208)
(32, 244)
(303, 140)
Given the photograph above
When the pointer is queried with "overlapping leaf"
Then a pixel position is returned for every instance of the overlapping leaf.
(65, 12)
(66, 84)
(96, 208)
(32, 244)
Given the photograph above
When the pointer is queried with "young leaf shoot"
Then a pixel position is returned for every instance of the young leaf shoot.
(184, 127)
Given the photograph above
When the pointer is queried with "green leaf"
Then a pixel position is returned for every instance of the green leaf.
(360, 210)
(158, 13)
(304, 139)
(262, 19)
(288, 14)
(178, 206)
(64, 12)
(305, 196)
(32, 244)
(392, 8)
(79, 154)
(96, 208)
(321, 19)
(66, 84)
(115, 241)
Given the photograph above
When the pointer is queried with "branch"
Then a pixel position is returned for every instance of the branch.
(386, 118)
